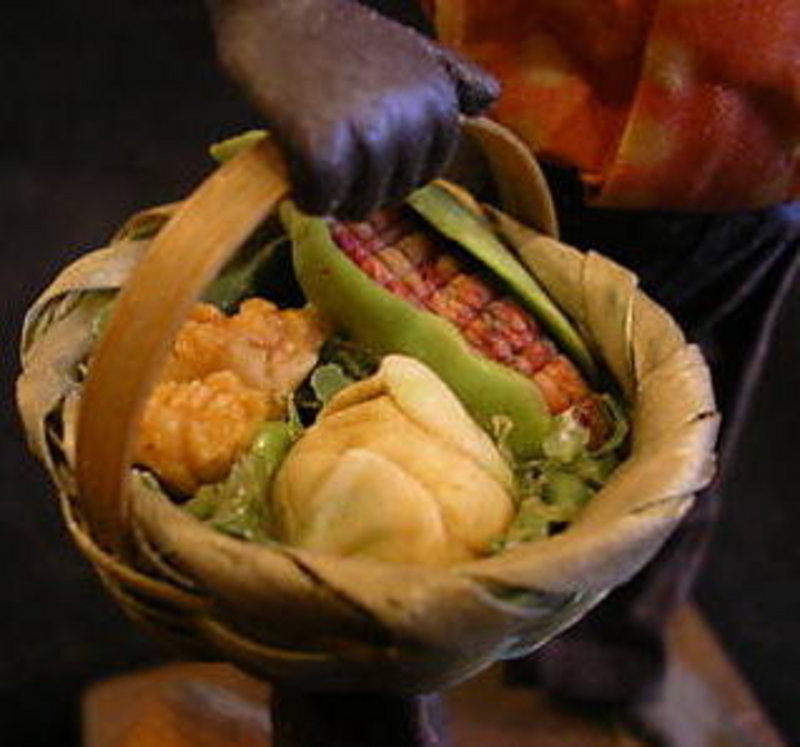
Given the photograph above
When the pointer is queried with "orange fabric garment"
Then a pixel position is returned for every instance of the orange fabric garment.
(659, 103)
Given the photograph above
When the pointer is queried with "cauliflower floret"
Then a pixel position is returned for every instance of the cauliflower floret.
(193, 431)
(269, 349)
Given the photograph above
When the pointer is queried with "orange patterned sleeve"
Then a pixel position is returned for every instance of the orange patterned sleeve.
(690, 104)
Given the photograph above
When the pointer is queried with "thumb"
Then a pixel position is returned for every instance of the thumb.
(475, 88)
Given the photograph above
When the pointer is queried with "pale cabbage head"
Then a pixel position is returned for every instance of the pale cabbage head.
(395, 469)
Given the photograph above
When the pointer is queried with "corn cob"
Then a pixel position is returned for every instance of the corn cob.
(394, 250)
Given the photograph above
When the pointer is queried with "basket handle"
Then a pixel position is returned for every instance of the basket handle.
(523, 190)
(205, 232)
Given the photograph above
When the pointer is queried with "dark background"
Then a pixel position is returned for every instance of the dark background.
(108, 107)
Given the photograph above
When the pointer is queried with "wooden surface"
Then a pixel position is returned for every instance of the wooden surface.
(705, 703)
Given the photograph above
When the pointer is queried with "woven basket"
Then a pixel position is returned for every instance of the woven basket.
(323, 621)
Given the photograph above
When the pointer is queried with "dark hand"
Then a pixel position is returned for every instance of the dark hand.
(365, 109)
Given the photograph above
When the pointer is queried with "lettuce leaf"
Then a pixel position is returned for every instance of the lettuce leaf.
(238, 505)
(552, 491)
(327, 380)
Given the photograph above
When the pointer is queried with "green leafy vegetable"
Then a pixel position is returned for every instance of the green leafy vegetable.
(565, 492)
(552, 491)
(238, 504)
(530, 523)
(327, 380)
(355, 361)
(595, 470)
(566, 441)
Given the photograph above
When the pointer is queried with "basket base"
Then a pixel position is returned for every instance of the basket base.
(704, 702)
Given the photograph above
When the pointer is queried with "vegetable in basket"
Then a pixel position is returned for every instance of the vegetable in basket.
(469, 429)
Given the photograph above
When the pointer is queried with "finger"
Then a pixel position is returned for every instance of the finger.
(426, 147)
(410, 166)
(321, 169)
(475, 88)
(378, 155)
(442, 147)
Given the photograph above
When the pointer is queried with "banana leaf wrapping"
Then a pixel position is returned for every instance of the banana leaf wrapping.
(355, 623)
